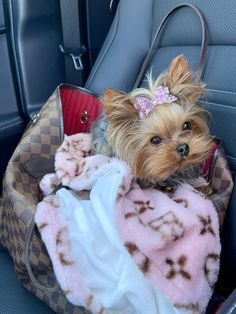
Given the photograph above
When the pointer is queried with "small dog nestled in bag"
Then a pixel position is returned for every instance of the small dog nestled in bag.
(160, 132)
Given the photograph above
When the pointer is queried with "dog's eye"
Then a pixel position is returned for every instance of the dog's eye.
(187, 126)
(155, 140)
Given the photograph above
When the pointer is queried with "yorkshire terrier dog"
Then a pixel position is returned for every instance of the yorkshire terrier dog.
(159, 131)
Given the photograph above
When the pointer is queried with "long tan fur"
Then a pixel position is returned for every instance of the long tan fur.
(129, 136)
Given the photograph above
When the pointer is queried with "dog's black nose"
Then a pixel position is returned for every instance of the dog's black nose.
(182, 149)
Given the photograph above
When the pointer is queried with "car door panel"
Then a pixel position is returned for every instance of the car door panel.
(11, 120)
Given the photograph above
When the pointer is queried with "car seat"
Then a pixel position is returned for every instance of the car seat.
(120, 59)
(126, 46)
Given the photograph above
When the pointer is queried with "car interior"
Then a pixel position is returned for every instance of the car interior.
(111, 38)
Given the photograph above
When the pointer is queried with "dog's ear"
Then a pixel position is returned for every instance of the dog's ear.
(179, 79)
(179, 72)
(118, 105)
(110, 98)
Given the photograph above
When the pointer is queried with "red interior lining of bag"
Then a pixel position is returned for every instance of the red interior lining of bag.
(219, 307)
(74, 103)
(207, 163)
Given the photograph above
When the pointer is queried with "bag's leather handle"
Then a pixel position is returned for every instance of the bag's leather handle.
(34, 280)
(154, 42)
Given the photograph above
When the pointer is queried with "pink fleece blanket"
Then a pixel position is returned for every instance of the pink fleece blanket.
(174, 241)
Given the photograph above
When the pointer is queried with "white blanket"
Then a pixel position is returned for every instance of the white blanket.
(108, 269)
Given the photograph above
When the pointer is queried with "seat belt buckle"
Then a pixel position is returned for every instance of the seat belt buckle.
(76, 55)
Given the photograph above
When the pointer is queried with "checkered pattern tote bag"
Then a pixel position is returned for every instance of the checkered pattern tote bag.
(34, 157)
(69, 110)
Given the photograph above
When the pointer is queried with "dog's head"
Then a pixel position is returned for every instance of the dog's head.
(160, 130)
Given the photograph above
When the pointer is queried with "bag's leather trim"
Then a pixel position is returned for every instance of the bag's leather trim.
(214, 157)
(38, 167)
(34, 280)
(82, 89)
(60, 116)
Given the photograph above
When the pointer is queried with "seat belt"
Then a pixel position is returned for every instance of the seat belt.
(72, 47)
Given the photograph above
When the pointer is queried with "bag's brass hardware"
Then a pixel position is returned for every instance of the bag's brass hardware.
(35, 118)
(84, 117)
(32, 121)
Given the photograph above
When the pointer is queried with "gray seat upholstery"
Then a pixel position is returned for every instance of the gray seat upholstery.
(127, 44)
(14, 299)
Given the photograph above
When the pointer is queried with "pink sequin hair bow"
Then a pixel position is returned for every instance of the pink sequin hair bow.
(145, 105)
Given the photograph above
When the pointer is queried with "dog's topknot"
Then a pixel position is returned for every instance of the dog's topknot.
(178, 78)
